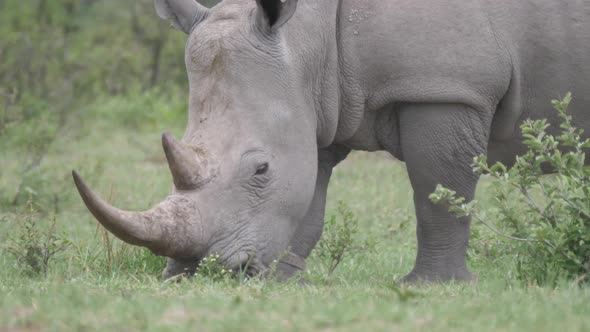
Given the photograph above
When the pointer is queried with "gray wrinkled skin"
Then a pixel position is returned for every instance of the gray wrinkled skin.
(280, 92)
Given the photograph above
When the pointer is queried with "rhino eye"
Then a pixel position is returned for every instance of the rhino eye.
(262, 169)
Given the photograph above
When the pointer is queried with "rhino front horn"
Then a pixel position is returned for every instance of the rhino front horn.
(183, 162)
(173, 228)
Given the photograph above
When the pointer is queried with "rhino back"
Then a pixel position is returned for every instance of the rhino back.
(549, 45)
(507, 57)
(417, 51)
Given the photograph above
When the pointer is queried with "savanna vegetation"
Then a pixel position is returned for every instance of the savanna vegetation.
(90, 85)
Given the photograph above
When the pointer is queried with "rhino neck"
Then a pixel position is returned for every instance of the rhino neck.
(317, 54)
(331, 67)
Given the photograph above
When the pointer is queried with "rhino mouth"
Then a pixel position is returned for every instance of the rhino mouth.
(243, 264)
(240, 265)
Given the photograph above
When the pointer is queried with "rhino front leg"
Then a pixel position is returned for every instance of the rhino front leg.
(438, 144)
(311, 228)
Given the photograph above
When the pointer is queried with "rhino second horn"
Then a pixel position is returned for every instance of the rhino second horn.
(185, 14)
(183, 163)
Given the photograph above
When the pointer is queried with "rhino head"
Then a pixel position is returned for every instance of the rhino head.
(244, 172)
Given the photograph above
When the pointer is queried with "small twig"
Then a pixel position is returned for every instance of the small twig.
(553, 215)
(579, 279)
(568, 201)
(493, 229)
(175, 278)
(526, 194)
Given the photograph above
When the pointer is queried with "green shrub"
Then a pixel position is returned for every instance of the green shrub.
(546, 218)
(340, 239)
(35, 245)
(110, 256)
(211, 268)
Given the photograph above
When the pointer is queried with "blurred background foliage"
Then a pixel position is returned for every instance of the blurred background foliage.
(70, 65)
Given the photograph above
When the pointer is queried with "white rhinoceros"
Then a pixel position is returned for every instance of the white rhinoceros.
(282, 90)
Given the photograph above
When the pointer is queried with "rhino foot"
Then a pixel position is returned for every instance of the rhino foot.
(422, 277)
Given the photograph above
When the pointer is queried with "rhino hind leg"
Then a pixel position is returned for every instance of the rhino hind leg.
(438, 143)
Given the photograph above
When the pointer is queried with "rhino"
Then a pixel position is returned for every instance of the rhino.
(282, 90)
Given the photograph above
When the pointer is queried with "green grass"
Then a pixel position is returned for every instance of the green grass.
(83, 291)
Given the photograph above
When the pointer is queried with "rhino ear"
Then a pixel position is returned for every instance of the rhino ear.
(184, 14)
(272, 14)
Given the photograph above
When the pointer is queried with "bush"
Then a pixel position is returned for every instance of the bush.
(34, 247)
(340, 239)
(111, 256)
(547, 218)
(211, 268)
